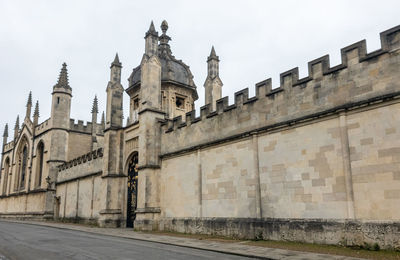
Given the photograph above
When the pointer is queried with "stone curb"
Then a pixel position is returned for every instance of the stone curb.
(251, 252)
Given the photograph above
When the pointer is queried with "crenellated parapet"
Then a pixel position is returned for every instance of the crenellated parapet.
(361, 79)
(81, 166)
(81, 127)
(81, 159)
(8, 146)
(43, 127)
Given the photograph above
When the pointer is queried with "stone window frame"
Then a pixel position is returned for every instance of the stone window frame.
(135, 108)
(6, 172)
(182, 99)
(20, 177)
(40, 151)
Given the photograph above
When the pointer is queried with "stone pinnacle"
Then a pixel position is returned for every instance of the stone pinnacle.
(116, 61)
(63, 78)
(17, 123)
(95, 108)
(152, 29)
(5, 131)
(29, 103)
(213, 55)
(36, 112)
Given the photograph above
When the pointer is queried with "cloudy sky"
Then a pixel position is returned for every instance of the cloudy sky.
(255, 40)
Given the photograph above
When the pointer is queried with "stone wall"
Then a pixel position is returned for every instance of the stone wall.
(78, 144)
(79, 188)
(303, 182)
(79, 199)
(302, 172)
(322, 149)
(321, 231)
(34, 205)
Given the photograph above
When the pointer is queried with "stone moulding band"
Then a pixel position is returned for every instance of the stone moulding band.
(26, 213)
(79, 177)
(307, 118)
(151, 110)
(148, 210)
(110, 211)
(114, 175)
(24, 193)
(149, 166)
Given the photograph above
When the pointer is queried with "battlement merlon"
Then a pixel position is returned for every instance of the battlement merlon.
(81, 127)
(361, 77)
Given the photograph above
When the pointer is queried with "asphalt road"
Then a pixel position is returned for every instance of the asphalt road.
(24, 241)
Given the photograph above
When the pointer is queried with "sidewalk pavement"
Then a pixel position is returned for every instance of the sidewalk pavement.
(234, 248)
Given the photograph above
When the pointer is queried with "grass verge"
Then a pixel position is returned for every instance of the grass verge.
(359, 252)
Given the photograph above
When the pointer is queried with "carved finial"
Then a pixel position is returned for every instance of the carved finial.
(164, 48)
(116, 61)
(95, 106)
(17, 123)
(164, 26)
(63, 78)
(128, 121)
(5, 131)
(29, 103)
(36, 112)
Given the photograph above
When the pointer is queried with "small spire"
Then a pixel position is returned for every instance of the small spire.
(29, 103)
(63, 78)
(152, 30)
(5, 131)
(36, 112)
(116, 61)
(128, 121)
(95, 108)
(17, 123)
(213, 55)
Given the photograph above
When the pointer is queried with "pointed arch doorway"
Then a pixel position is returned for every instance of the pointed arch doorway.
(132, 189)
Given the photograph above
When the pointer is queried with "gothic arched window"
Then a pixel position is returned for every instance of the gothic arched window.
(39, 164)
(24, 164)
(5, 175)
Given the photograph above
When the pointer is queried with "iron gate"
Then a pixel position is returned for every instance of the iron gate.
(132, 190)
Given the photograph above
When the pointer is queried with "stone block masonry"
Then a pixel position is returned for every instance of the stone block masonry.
(314, 160)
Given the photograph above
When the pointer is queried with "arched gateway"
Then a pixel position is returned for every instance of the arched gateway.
(132, 190)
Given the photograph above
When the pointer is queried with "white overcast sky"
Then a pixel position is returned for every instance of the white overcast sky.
(255, 40)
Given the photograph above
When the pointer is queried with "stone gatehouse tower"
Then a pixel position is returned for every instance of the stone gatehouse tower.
(315, 159)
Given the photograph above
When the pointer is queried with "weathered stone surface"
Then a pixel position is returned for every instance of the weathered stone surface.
(314, 160)
(321, 231)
